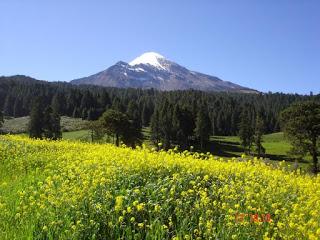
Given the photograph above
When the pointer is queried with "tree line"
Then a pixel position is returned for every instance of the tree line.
(90, 102)
(176, 118)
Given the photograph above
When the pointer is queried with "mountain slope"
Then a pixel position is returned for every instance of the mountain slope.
(151, 70)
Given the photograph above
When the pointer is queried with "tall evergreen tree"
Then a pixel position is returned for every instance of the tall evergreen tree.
(56, 126)
(46, 123)
(8, 105)
(166, 123)
(133, 113)
(203, 127)
(258, 134)
(155, 127)
(1, 119)
(36, 119)
(56, 103)
(51, 124)
(17, 108)
(246, 132)
(147, 110)
(104, 100)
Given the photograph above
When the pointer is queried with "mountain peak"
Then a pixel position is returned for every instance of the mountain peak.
(151, 58)
(152, 70)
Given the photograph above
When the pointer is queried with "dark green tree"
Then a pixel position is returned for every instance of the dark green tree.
(96, 129)
(132, 136)
(1, 119)
(246, 131)
(258, 135)
(301, 125)
(8, 105)
(117, 124)
(46, 123)
(133, 113)
(166, 124)
(51, 124)
(36, 119)
(202, 127)
(155, 127)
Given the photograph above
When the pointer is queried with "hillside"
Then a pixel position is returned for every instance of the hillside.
(20, 125)
(69, 190)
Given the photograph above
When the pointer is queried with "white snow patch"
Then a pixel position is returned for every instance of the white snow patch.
(125, 74)
(139, 69)
(151, 58)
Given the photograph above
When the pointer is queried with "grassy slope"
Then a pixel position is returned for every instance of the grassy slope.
(20, 125)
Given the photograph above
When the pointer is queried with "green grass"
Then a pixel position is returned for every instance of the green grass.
(276, 146)
(82, 135)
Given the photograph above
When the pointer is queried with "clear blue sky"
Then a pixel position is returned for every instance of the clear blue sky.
(266, 45)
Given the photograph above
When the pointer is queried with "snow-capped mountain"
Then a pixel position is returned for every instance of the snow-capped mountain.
(152, 70)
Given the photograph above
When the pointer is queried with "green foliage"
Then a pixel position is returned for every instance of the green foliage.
(117, 124)
(36, 120)
(96, 129)
(258, 134)
(1, 119)
(51, 124)
(44, 123)
(203, 128)
(155, 127)
(301, 125)
(246, 132)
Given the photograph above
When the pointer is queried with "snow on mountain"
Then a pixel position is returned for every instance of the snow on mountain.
(151, 58)
(152, 70)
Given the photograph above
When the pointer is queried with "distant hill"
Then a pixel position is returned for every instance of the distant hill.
(151, 70)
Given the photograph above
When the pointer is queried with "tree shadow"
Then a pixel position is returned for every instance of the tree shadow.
(224, 148)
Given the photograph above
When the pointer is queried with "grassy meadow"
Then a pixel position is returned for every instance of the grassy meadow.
(78, 190)
(276, 145)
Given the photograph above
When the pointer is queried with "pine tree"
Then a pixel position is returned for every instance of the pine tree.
(84, 114)
(203, 127)
(104, 100)
(1, 119)
(8, 105)
(51, 124)
(165, 124)
(56, 126)
(36, 119)
(75, 113)
(47, 125)
(17, 108)
(258, 134)
(133, 113)
(56, 103)
(246, 131)
(155, 127)
(146, 114)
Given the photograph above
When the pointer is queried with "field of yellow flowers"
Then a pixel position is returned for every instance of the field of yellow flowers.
(73, 190)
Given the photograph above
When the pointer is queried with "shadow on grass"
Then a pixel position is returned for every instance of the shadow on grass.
(225, 148)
